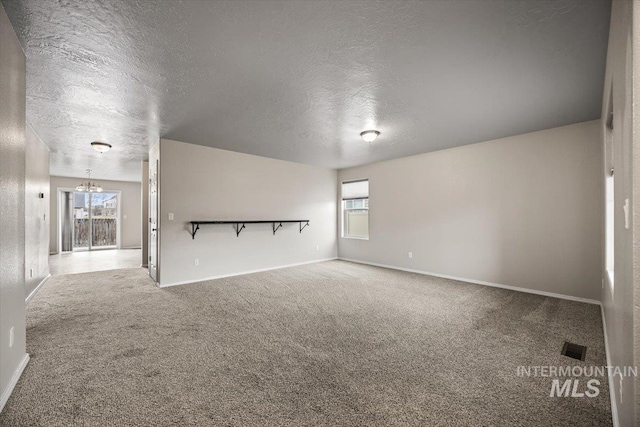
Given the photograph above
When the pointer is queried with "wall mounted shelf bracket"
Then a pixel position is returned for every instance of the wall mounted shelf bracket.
(240, 225)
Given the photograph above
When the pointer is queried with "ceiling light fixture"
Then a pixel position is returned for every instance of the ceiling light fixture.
(369, 135)
(101, 147)
(89, 186)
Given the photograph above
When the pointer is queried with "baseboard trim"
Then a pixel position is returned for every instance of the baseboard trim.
(478, 282)
(612, 394)
(35, 291)
(245, 272)
(14, 380)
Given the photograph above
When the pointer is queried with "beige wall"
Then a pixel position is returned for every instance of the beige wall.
(12, 177)
(634, 172)
(618, 302)
(523, 211)
(36, 211)
(201, 183)
(131, 208)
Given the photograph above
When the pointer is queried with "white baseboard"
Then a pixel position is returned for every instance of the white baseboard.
(245, 272)
(14, 380)
(612, 393)
(33, 292)
(479, 282)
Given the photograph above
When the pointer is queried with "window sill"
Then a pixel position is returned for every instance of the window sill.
(355, 238)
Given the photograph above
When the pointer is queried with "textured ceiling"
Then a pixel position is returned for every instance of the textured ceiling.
(299, 80)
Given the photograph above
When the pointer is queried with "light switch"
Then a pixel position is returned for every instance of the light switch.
(626, 213)
(170, 217)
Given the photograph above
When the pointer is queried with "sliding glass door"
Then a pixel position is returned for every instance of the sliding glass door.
(95, 220)
(80, 221)
(104, 220)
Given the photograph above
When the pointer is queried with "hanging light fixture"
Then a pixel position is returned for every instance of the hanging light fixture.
(89, 186)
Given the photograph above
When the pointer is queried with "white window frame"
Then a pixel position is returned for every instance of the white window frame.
(344, 210)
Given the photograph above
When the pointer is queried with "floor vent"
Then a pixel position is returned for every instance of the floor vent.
(574, 351)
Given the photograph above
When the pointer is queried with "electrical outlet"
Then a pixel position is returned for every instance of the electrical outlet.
(11, 337)
(410, 255)
(170, 217)
(317, 248)
(196, 262)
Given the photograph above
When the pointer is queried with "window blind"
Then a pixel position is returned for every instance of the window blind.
(355, 190)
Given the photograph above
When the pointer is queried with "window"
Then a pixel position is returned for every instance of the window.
(355, 209)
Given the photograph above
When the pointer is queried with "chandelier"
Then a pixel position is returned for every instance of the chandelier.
(89, 185)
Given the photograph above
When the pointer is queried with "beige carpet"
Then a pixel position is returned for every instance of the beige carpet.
(329, 344)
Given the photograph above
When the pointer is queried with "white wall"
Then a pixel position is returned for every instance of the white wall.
(131, 208)
(36, 212)
(12, 178)
(523, 211)
(202, 183)
(618, 302)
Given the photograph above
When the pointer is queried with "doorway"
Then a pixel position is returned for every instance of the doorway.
(89, 220)
(153, 221)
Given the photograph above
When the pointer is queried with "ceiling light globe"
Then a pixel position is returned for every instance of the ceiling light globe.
(101, 147)
(369, 135)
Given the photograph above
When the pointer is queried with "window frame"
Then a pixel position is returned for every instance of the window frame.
(344, 210)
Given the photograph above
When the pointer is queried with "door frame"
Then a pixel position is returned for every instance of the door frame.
(59, 192)
(154, 166)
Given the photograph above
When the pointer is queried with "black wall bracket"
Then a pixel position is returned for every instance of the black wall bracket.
(194, 227)
(240, 225)
(275, 228)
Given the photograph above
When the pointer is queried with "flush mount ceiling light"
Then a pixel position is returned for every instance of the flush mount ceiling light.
(369, 135)
(101, 147)
(89, 186)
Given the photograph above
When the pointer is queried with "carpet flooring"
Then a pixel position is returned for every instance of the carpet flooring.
(327, 344)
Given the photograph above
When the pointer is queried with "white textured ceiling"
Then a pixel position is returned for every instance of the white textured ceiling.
(299, 80)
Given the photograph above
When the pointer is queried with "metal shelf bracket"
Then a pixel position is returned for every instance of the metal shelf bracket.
(194, 229)
(275, 228)
(240, 225)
